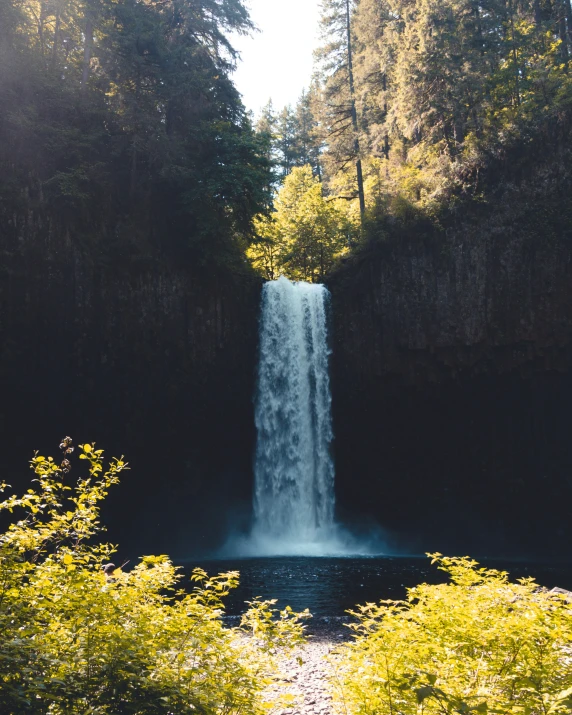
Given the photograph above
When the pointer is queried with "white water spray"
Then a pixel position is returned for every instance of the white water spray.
(294, 470)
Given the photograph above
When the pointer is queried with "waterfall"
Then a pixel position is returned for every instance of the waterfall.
(293, 467)
(294, 470)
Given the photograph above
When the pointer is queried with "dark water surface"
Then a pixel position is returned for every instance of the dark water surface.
(329, 586)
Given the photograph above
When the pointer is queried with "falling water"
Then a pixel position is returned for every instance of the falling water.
(294, 471)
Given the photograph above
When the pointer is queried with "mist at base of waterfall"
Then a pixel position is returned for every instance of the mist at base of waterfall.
(334, 541)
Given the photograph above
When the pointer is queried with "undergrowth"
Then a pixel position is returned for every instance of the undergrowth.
(479, 644)
(77, 636)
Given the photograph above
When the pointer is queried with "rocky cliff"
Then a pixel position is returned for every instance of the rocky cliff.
(151, 358)
(452, 351)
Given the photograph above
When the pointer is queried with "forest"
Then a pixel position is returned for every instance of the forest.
(411, 101)
(122, 124)
(121, 118)
(395, 250)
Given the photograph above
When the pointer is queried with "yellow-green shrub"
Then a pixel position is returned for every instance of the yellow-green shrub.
(75, 640)
(475, 645)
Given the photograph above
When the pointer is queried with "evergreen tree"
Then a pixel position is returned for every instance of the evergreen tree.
(305, 233)
(439, 81)
(267, 132)
(267, 125)
(374, 60)
(286, 130)
(308, 144)
(123, 114)
(292, 135)
(340, 111)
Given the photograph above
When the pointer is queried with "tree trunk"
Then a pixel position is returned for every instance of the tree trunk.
(56, 39)
(564, 30)
(563, 39)
(514, 56)
(386, 136)
(568, 9)
(359, 171)
(41, 21)
(87, 52)
(480, 29)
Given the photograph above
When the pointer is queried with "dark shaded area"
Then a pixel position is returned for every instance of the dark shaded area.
(155, 362)
(480, 466)
(451, 374)
(452, 353)
(129, 178)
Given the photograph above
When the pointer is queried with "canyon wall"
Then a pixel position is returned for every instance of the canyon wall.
(154, 359)
(451, 376)
(452, 351)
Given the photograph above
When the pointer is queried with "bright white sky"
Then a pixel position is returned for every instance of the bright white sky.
(277, 61)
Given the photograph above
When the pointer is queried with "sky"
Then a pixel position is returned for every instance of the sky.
(277, 61)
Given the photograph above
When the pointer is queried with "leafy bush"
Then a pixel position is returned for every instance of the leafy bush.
(478, 644)
(80, 638)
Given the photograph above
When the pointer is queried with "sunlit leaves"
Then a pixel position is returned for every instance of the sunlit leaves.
(479, 644)
(441, 85)
(80, 638)
(306, 232)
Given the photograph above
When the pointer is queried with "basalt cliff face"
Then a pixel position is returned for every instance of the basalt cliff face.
(452, 352)
(451, 374)
(154, 359)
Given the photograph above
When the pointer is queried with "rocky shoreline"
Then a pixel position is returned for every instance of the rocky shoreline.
(305, 683)
(307, 675)
(304, 688)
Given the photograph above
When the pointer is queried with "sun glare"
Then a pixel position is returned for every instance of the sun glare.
(276, 62)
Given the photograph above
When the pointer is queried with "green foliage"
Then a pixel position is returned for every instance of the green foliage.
(80, 639)
(478, 644)
(120, 119)
(451, 82)
(338, 117)
(304, 235)
(438, 87)
(412, 100)
(293, 135)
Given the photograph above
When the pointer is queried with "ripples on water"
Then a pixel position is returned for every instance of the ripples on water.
(329, 586)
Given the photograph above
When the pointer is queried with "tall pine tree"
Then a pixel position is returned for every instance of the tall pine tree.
(340, 118)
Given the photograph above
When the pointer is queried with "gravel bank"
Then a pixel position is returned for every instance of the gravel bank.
(305, 675)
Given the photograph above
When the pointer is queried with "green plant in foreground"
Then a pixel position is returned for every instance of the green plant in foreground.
(74, 639)
(478, 644)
